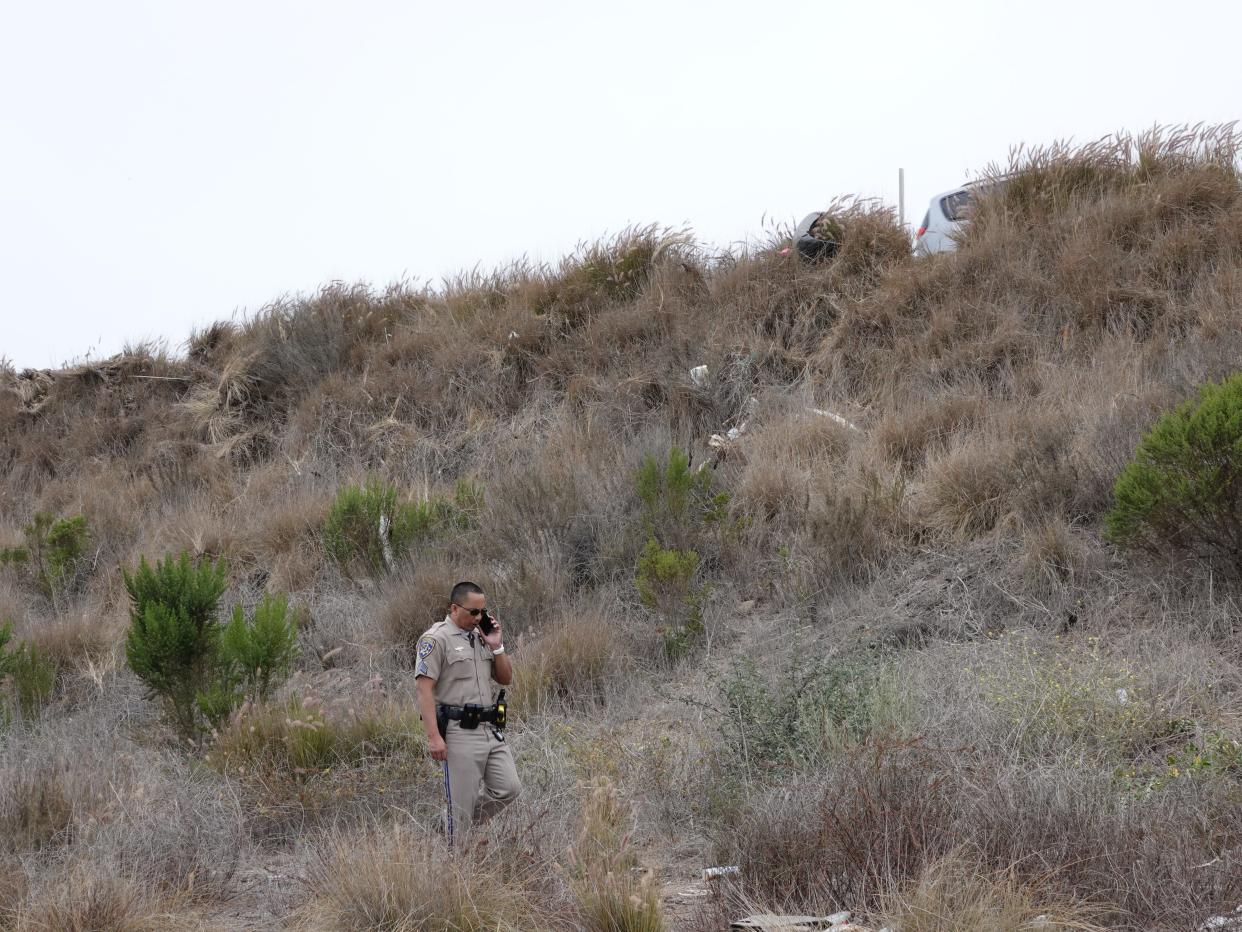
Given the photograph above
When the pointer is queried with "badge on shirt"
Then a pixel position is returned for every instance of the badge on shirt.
(425, 647)
(458, 648)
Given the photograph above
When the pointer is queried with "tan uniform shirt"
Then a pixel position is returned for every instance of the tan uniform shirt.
(461, 666)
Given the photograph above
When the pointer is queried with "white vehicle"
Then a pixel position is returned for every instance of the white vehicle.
(945, 217)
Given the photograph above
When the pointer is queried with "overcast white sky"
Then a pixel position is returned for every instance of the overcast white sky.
(165, 164)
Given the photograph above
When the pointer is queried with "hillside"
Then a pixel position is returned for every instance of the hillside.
(870, 645)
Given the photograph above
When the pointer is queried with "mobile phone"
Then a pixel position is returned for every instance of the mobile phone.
(485, 622)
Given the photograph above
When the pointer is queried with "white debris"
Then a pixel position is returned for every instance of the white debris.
(835, 417)
(1123, 696)
(715, 873)
(1223, 922)
(698, 375)
(771, 922)
(733, 434)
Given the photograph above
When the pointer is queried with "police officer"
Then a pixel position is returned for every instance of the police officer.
(457, 665)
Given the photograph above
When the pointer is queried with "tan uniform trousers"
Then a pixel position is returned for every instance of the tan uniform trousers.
(482, 777)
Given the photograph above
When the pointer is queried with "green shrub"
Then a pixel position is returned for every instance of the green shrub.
(53, 553)
(789, 722)
(679, 506)
(1182, 492)
(260, 652)
(678, 502)
(368, 530)
(1213, 756)
(252, 658)
(667, 584)
(199, 669)
(172, 639)
(27, 676)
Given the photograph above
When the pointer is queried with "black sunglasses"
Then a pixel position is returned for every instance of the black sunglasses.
(474, 612)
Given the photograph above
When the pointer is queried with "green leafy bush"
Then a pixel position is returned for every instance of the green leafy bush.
(793, 719)
(199, 669)
(368, 530)
(679, 507)
(252, 658)
(28, 677)
(1213, 756)
(666, 583)
(53, 553)
(171, 644)
(1182, 492)
(261, 651)
(678, 502)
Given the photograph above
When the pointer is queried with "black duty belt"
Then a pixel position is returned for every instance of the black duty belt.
(471, 716)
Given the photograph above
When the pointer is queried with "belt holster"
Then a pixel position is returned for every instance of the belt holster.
(442, 720)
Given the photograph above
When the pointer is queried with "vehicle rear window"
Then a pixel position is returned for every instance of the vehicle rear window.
(956, 206)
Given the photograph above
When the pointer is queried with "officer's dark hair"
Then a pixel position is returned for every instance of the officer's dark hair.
(463, 589)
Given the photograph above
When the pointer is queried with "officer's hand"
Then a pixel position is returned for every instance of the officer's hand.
(493, 640)
(437, 747)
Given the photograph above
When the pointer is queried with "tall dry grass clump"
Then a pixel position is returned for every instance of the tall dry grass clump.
(613, 894)
(571, 662)
(957, 894)
(405, 880)
(84, 899)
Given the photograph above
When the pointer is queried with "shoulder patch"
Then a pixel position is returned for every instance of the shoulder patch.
(422, 668)
(425, 647)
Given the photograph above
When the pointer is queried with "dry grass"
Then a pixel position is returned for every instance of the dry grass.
(306, 736)
(104, 834)
(37, 806)
(958, 894)
(330, 750)
(613, 895)
(568, 663)
(887, 815)
(418, 598)
(401, 879)
(84, 644)
(84, 899)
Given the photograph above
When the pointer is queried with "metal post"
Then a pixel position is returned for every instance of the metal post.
(901, 196)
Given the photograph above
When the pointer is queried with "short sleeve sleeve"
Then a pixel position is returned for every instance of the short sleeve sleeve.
(430, 657)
